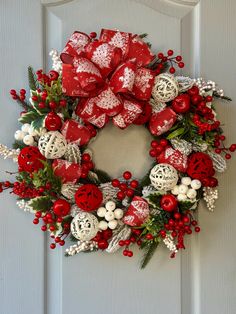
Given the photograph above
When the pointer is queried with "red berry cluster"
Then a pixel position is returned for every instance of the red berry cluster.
(5, 185)
(24, 191)
(45, 79)
(203, 117)
(102, 238)
(179, 225)
(134, 238)
(86, 164)
(169, 59)
(45, 101)
(157, 147)
(126, 188)
(16, 96)
(220, 147)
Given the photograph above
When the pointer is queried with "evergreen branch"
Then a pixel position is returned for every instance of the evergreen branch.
(144, 35)
(103, 177)
(18, 144)
(32, 79)
(149, 252)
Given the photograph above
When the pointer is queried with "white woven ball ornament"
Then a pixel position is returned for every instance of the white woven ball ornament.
(163, 177)
(84, 226)
(165, 88)
(52, 145)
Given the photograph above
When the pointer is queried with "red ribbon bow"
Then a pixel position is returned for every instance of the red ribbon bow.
(109, 76)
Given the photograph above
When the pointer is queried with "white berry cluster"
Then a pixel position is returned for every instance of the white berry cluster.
(28, 134)
(56, 60)
(81, 246)
(187, 189)
(210, 196)
(111, 215)
(206, 86)
(168, 240)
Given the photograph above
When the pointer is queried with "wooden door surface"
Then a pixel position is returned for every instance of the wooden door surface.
(201, 280)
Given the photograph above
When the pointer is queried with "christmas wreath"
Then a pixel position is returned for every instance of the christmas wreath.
(116, 79)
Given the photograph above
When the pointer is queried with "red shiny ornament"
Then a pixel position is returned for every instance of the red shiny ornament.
(61, 207)
(127, 175)
(102, 244)
(168, 202)
(181, 103)
(200, 166)
(29, 159)
(88, 197)
(53, 122)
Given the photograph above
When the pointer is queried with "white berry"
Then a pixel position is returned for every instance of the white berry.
(109, 216)
(19, 135)
(196, 184)
(110, 205)
(25, 127)
(112, 224)
(191, 193)
(103, 225)
(182, 197)
(183, 189)
(186, 180)
(28, 140)
(175, 190)
(118, 213)
(101, 211)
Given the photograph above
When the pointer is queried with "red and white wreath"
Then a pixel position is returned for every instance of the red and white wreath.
(116, 78)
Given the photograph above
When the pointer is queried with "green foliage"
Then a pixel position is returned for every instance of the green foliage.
(103, 176)
(31, 79)
(175, 133)
(41, 203)
(154, 200)
(149, 251)
(29, 116)
(18, 144)
(37, 124)
(45, 175)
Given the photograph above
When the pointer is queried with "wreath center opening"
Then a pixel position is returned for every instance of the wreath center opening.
(116, 150)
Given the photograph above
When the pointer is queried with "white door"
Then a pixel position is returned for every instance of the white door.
(200, 281)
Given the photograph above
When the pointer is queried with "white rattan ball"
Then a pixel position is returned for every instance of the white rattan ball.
(165, 88)
(52, 145)
(84, 226)
(163, 177)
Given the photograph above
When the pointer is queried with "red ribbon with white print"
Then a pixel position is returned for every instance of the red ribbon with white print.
(109, 76)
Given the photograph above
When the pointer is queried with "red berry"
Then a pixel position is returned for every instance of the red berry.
(52, 228)
(35, 221)
(62, 242)
(123, 187)
(120, 195)
(52, 246)
(127, 242)
(218, 150)
(177, 215)
(194, 222)
(34, 98)
(38, 214)
(149, 236)
(185, 219)
(127, 175)
(197, 229)
(57, 239)
(130, 192)
(86, 157)
(153, 153)
(23, 91)
(53, 75)
(170, 52)
(181, 65)
(52, 105)
(130, 254)
(41, 105)
(59, 219)
(107, 234)
(121, 243)
(163, 233)
(193, 91)
(13, 92)
(62, 103)
(93, 35)
(227, 156)
(115, 183)
(125, 252)
(232, 148)
(134, 184)
(102, 244)
(163, 142)
(44, 228)
(208, 98)
(160, 55)
(172, 70)
(154, 144)
(178, 58)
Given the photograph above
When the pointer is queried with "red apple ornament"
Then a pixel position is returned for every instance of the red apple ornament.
(168, 202)
(181, 103)
(61, 207)
(53, 121)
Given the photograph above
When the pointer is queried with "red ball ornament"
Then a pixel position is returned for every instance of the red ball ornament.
(61, 207)
(181, 103)
(53, 121)
(88, 197)
(168, 202)
(200, 166)
(29, 159)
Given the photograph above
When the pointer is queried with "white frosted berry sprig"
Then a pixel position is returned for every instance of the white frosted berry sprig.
(187, 189)
(111, 215)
